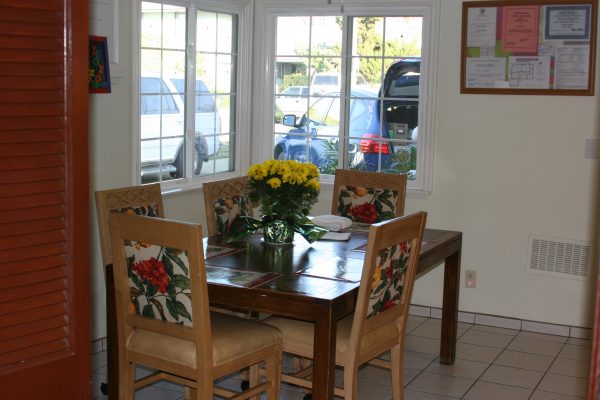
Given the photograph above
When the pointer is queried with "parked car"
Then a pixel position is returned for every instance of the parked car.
(166, 156)
(327, 82)
(321, 122)
(293, 100)
(208, 119)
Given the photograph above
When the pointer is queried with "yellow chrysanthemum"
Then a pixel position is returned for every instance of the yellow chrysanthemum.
(274, 183)
(257, 172)
(314, 184)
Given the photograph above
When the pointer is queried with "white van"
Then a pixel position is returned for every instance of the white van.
(325, 82)
(162, 140)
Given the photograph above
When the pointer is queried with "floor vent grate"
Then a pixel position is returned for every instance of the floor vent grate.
(558, 256)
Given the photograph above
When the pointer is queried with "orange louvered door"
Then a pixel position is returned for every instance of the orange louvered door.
(44, 252)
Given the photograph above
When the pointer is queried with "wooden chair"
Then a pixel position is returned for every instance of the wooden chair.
(379, 321)
(225, 200)
(140, 200)
(163, 315)
(368, 197)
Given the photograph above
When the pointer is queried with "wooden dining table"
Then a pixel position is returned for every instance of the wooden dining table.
(315, 282)
(319, 282)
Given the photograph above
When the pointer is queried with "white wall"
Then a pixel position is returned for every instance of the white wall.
(506, 167)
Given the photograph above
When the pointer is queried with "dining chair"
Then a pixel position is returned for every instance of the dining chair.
(141, 200)
(163, 316)
(368, 197)
(224, 201)
(379, 321)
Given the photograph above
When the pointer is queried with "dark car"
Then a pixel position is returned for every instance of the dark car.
(314, 136)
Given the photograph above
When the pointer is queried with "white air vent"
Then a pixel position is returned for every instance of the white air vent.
(560, 257)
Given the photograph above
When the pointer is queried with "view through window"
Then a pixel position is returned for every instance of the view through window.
(348, 103)
(187, 117)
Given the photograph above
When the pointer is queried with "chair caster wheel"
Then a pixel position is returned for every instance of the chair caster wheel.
(104, 388)
(245, 385)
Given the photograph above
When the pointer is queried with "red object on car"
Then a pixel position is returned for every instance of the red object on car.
(372, 146)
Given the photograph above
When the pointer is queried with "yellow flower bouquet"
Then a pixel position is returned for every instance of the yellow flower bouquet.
(285, 191)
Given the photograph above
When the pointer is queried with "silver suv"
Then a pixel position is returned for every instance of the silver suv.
(162, 139)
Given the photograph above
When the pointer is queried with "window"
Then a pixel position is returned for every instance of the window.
(188, 90)
(369, 99)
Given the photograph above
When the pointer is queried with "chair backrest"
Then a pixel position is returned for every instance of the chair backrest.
(389, 269)
(224, 201)
(140, 200)
(368, 197)
(160, 280)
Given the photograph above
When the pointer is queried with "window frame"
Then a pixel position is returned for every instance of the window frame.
(266, 13)
(241, 161)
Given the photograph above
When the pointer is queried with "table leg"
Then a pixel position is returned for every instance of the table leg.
(450, 308)
(324, 356)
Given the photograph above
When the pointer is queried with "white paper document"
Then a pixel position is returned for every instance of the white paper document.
(336, 236)
(529, 72)
(485, 72)
(481, 27)
(571, 68)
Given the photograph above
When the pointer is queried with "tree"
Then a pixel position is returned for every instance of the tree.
(370, 43)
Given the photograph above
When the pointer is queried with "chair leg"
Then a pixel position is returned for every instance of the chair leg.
(130, 382)
(351, 382)
(253, 375)
(397, 373)
(273, 374)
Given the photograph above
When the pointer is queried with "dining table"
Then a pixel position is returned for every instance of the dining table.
(318, 282)
(315, 282)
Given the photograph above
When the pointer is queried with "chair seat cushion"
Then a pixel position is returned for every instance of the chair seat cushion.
(232, 338)
(298, 336)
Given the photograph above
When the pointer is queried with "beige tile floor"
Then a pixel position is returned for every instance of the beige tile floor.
(492, 364)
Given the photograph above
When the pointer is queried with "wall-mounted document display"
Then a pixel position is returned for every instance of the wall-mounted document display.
(528, 47)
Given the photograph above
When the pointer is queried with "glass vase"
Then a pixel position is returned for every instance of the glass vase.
(278, 232)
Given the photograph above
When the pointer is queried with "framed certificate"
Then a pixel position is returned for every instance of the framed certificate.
(529, 47)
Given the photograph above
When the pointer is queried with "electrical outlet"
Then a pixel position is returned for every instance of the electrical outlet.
(470, 279)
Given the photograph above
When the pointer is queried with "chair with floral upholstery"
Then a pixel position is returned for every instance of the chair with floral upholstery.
(139, 200)
(368, 197)
(379, 320)
(163, 316)
(224, 201)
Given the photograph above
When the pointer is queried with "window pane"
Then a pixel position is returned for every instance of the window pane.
(293, 36)
(367, 74)
(326, 36)
(226, 112)
(151, 25)
(173, 64)
(226, 33)
(403, 36)
(206, 31)
(225, 64)
(367, 36)
(173, 27)
(206, 69)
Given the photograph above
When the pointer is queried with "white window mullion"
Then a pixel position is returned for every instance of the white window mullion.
(190, 91)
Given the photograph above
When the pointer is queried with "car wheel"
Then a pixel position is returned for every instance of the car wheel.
(198, 161)
(299, 155)
(279, 154)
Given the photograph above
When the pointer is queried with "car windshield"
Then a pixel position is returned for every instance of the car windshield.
(325, 80)
(154, 90)
(205, 101)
